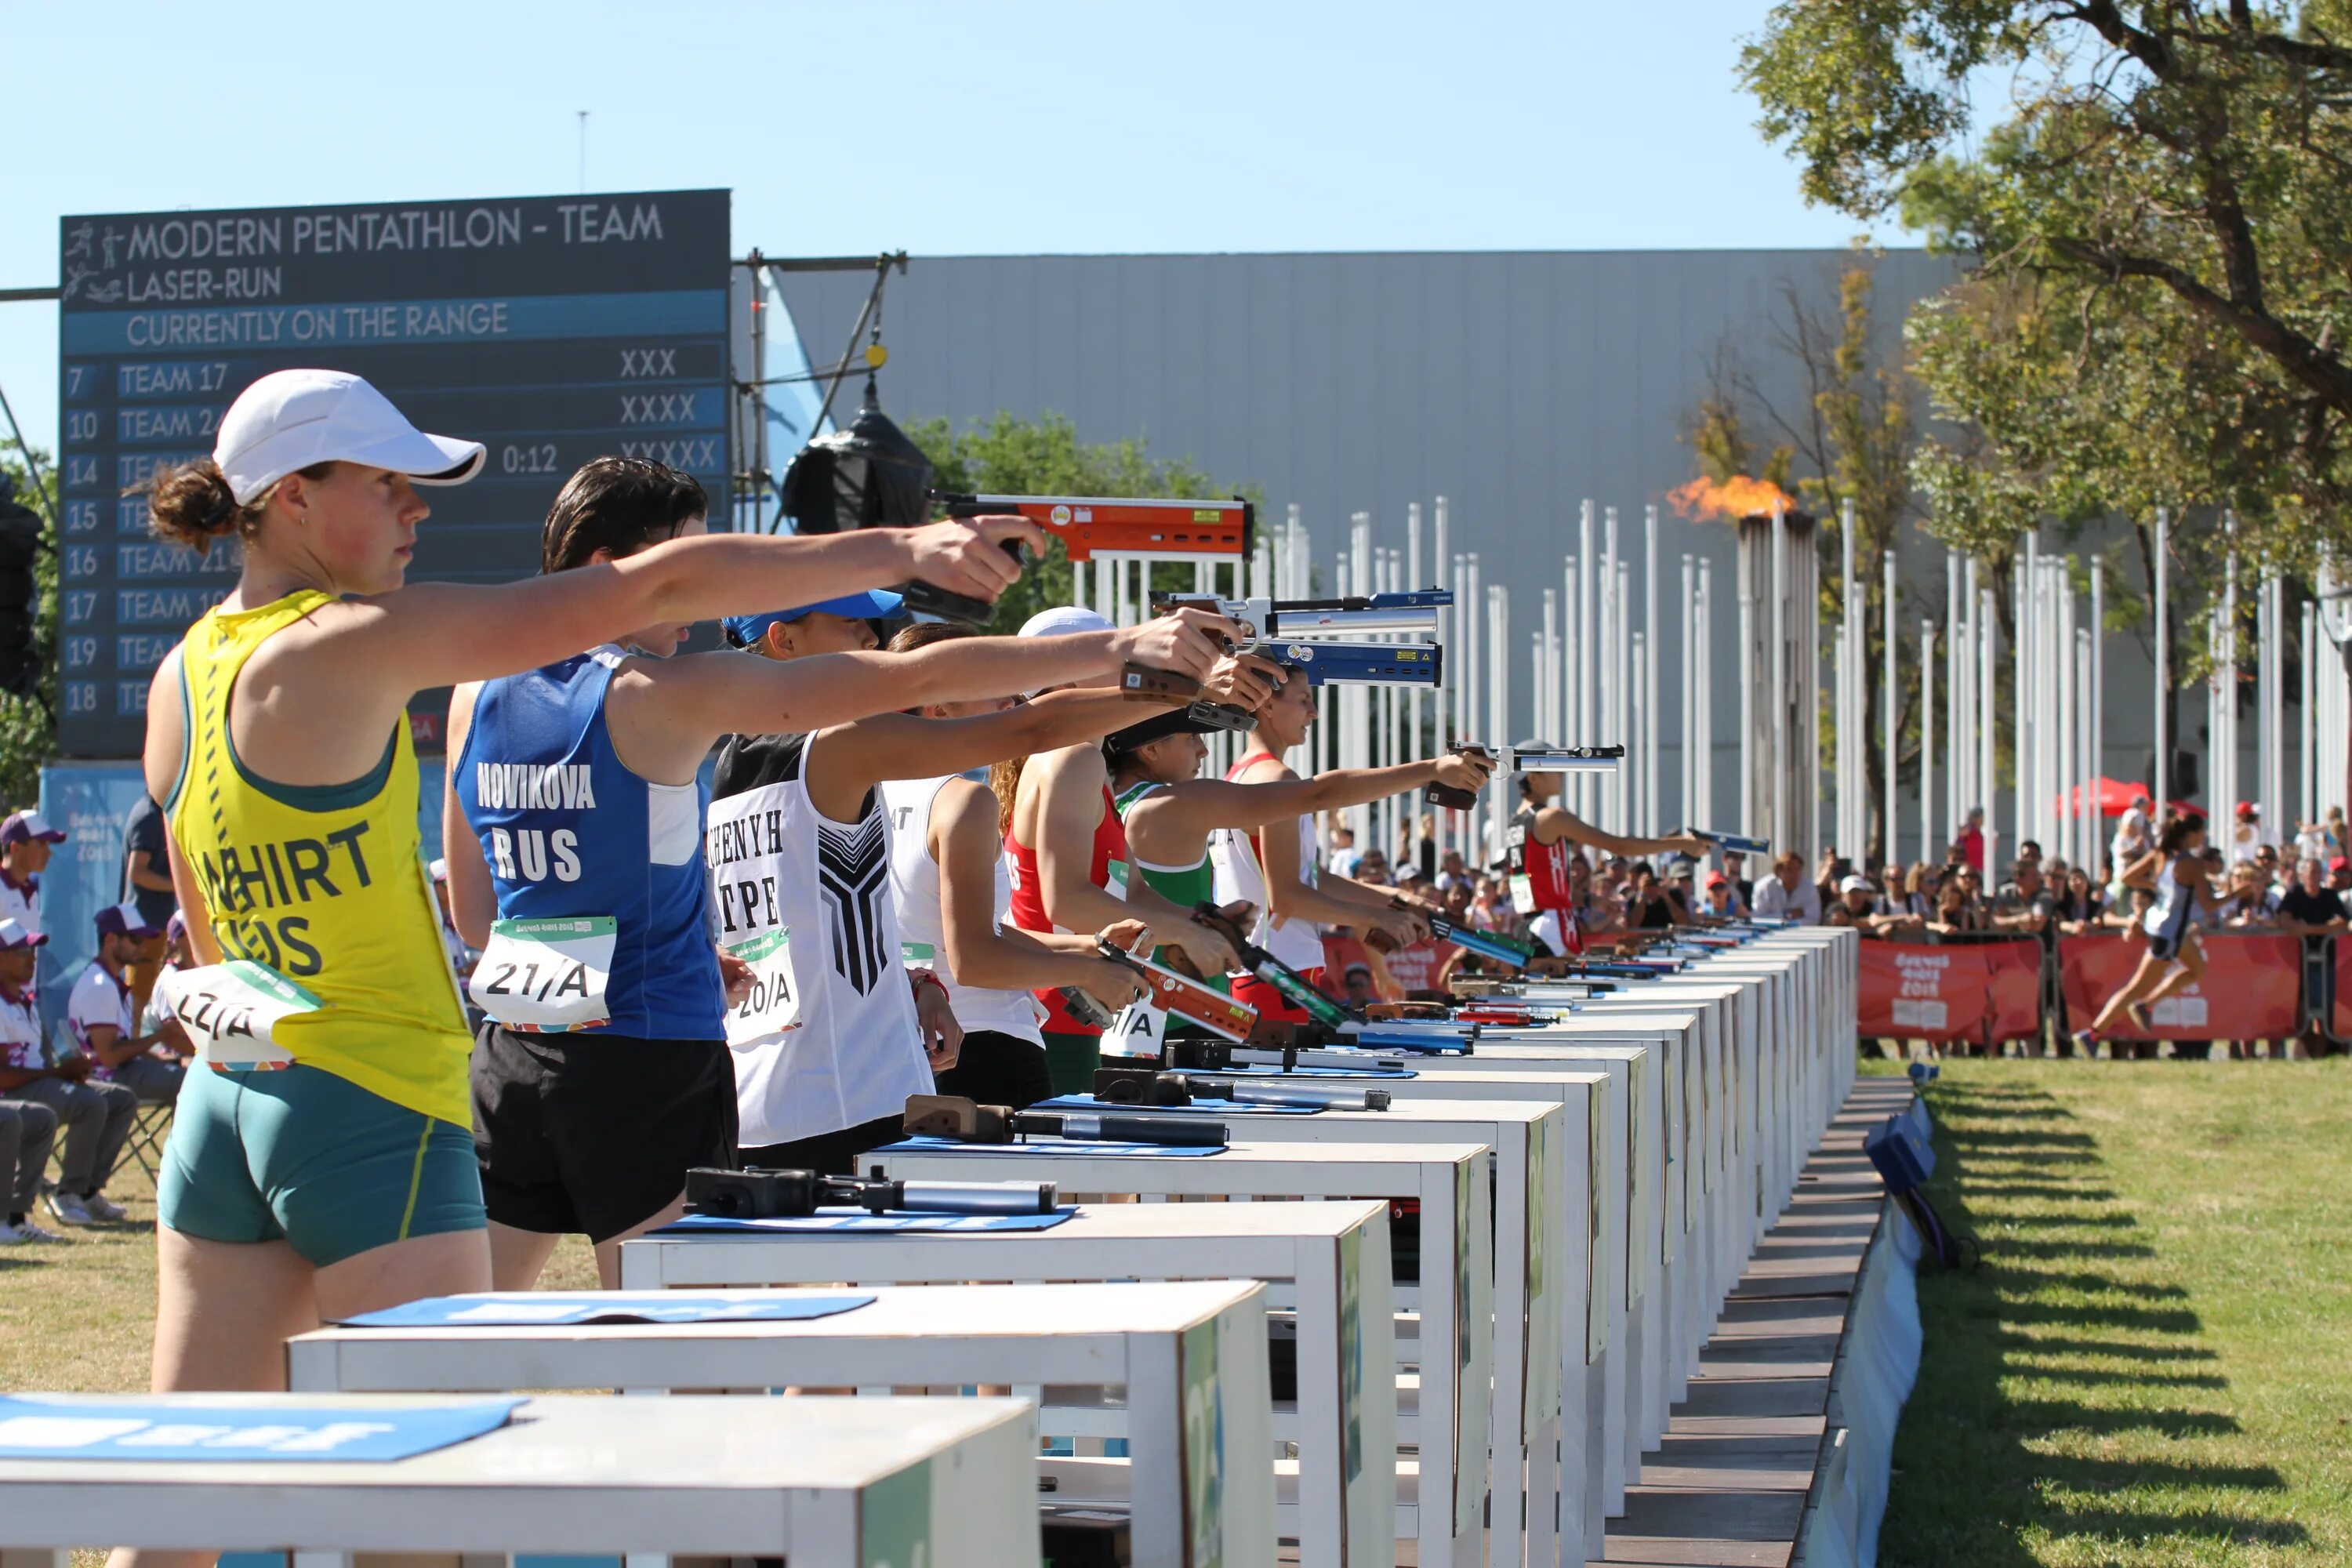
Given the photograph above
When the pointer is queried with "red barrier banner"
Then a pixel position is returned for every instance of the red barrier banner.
(1972, 991)
(2252, 988)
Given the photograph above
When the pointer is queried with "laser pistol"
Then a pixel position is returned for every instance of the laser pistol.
(1527, 757)
(1299, 634)
(952, 1117)
(778, 1194)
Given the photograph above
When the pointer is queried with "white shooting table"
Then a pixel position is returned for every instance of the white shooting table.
(1190, 1358)
(1330, 1261)
(1540, 1163)
(826, 1483)
(1448, 1425)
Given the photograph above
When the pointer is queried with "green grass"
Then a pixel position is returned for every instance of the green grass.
(79, 1317)
(2154, 1364)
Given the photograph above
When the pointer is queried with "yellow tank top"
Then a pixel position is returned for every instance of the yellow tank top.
(321, 883)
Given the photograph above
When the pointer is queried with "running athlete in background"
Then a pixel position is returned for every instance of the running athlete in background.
(2178, 878)
(1273, 869)
(1540, 845)
(329, 1169)
(1069, 852)
(799, 852)
(573, 801)
(952, 892)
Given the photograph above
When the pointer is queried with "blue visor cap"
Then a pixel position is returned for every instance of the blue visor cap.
(874, 604)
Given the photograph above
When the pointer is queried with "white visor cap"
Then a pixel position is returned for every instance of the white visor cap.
(290, 420)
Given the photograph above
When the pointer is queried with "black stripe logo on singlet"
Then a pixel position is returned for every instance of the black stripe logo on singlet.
(853, 874)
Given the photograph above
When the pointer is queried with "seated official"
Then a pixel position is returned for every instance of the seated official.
(28, 1133)
(104, 1017)
(95, 1117)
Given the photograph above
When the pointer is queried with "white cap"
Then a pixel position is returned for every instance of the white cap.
(1062, 620)
(290, 420)
(1856, 885)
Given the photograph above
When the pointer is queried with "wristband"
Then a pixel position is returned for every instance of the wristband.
(924, 976)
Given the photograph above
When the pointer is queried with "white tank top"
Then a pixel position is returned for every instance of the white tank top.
(1298, 942)
(915, 893)
(2167, 895)
(846, 1048)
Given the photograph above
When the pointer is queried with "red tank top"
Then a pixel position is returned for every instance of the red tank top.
(1028, 907)
(1545, 866)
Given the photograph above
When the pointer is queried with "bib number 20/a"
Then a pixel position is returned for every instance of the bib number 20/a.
(545, 974)
(769, 1007)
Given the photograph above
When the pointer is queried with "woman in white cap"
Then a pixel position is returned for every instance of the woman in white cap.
(325, 1164)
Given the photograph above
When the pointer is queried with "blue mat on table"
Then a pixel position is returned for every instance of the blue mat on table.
(1078, 1147)
(1201, 1106)
(858, 1222)
(525, 1308)
(1374, 1038)
(94, 1426)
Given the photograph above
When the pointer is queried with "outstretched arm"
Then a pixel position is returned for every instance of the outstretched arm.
(1068, 808)
(1180, 819)
(856, 757)
(666, 713)
(1555, 823)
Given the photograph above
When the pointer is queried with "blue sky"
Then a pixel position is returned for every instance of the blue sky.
(946, 129)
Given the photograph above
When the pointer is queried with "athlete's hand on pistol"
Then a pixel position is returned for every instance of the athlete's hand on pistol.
(1187, 641)
(1127, 936)
(1460, 770)
(1401, 926)
(1111, 983)
(1210, 953)
(1243, 681)
(966, 555)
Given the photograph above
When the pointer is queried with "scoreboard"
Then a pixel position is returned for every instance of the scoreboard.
(551, 328)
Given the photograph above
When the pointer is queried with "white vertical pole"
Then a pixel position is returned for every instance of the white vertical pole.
(2021, 709)
(2225, 802)
(1650, 671)
(1687, 797)
(2307, 759)
(1980, 788)
(2275, 804)
(1751, 821)
(2096, 766)
(1413, 580)
(2163, 787)
(2062, 671)
(1703, 773)
(1497, 808)
(1783, 829)
(1638, 744)
(1953, 805)
(1627, 685)
(2217, 793)
(1889, 716)
(1851, 773)
(1475, 682)
(1611, 801)
(1576, 640)
(1986, 704)
(1927, 740)
(1588, 660)
(1551, 722)
(1440, 734)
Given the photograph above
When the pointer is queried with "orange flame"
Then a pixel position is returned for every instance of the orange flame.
(1739, 497)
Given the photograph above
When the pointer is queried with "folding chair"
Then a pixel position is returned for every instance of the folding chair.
(145, 1143)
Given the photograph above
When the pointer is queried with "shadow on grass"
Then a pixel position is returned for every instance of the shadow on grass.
(1987, 1475)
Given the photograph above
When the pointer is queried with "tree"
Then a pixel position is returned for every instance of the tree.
(1006, 456)
(2158, 305)
(1849, 441)
(28, 728)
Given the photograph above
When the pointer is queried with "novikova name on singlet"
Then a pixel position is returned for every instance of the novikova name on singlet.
(529, 853)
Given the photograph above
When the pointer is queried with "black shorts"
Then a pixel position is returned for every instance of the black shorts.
(997, 1068)
(591, 1135)
(828, 1154)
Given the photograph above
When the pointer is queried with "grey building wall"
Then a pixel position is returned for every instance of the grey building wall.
(1514, 383)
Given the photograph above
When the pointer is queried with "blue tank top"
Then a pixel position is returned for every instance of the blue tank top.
(567, 831)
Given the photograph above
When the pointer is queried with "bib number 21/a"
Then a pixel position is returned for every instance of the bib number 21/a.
(539, 975)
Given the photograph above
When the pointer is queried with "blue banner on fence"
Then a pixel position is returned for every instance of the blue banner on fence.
(273, 1428)
(526, 1309)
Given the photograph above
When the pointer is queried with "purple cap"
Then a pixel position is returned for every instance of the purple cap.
(124, 920)
(13, 936)
(23, 825)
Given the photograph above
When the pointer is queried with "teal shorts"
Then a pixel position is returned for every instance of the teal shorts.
(302, 1156)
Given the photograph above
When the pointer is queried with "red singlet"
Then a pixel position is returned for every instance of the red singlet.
(1029, 899)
